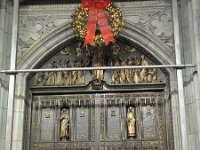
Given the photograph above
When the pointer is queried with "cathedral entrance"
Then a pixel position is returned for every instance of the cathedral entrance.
(99, 109)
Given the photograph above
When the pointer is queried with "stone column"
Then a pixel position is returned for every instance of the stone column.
(12, 79)
(196, 103)
(190, 54)
(5, 42)
(181, 98)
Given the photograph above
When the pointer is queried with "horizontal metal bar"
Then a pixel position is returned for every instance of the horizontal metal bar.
(96, 68)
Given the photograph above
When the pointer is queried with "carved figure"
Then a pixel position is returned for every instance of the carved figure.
(98, 61)
(66, 74)
(123, 73)
(115, 49)
(115, 73)
(154, 75)
(64, 124)
(51, 76)
(74, 74)
(59, 75)
(65, 51)
(78, 50)
(80, 77)
(131, 123)
(143, 76)
(136, 77)
(129, 71)
(40, 80)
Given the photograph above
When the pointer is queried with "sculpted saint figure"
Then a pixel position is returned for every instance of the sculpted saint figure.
(115, 73)
(131, 123)
(123, 73)
(40, 80)
(143, 70)
(98, 61)
(74, 74)
(66, 74)
(51, 76)
(64, 124)
(59, 74)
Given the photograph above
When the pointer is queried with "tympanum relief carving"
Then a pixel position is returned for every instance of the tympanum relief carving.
(115, 55)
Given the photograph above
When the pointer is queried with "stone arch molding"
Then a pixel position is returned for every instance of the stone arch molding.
(63, 34)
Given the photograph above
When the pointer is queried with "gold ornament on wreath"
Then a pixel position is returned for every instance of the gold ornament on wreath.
(79, 22)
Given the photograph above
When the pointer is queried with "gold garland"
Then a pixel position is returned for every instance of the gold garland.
(79, 22)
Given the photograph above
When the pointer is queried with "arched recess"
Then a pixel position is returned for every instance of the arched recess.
(46, 46)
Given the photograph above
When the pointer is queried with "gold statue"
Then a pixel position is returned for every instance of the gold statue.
(115, 73)
(51, 76)
(143, 76)
(154, 75)
(123, 73)
(98, 61)
(78, 50)
(74, 74)
(59, 75)
(131, 123)
(129, 72)
(64, 124)
(136, 77)
(66, 74)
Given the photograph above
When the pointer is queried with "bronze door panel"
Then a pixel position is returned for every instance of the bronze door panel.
(99, 121)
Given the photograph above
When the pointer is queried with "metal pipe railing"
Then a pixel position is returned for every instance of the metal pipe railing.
(183, 66)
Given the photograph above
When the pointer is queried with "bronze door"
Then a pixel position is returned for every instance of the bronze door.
(99, 121)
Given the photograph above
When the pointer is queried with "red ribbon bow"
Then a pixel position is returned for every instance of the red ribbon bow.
(96, 15)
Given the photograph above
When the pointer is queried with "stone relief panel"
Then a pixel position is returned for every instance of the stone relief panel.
(38, 21)
(157, 21)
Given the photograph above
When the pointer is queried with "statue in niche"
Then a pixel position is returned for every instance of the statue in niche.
(131, 123)
(66, 51)
(143, 76)
(59, 74)
(50, 76)
(66, 74)
(40, 80)
(98, 61)
(64, 124)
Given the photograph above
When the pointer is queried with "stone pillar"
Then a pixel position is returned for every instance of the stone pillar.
(12, 79)
(181, 96)
(189, 14)
(5, 46)
(195, 109)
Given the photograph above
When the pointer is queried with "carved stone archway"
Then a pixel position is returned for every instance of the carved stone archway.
(34, 56)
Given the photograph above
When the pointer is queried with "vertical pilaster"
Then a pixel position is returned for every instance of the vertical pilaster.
(196, 28)
(181, 98)
(4, 42)
(11, 96)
